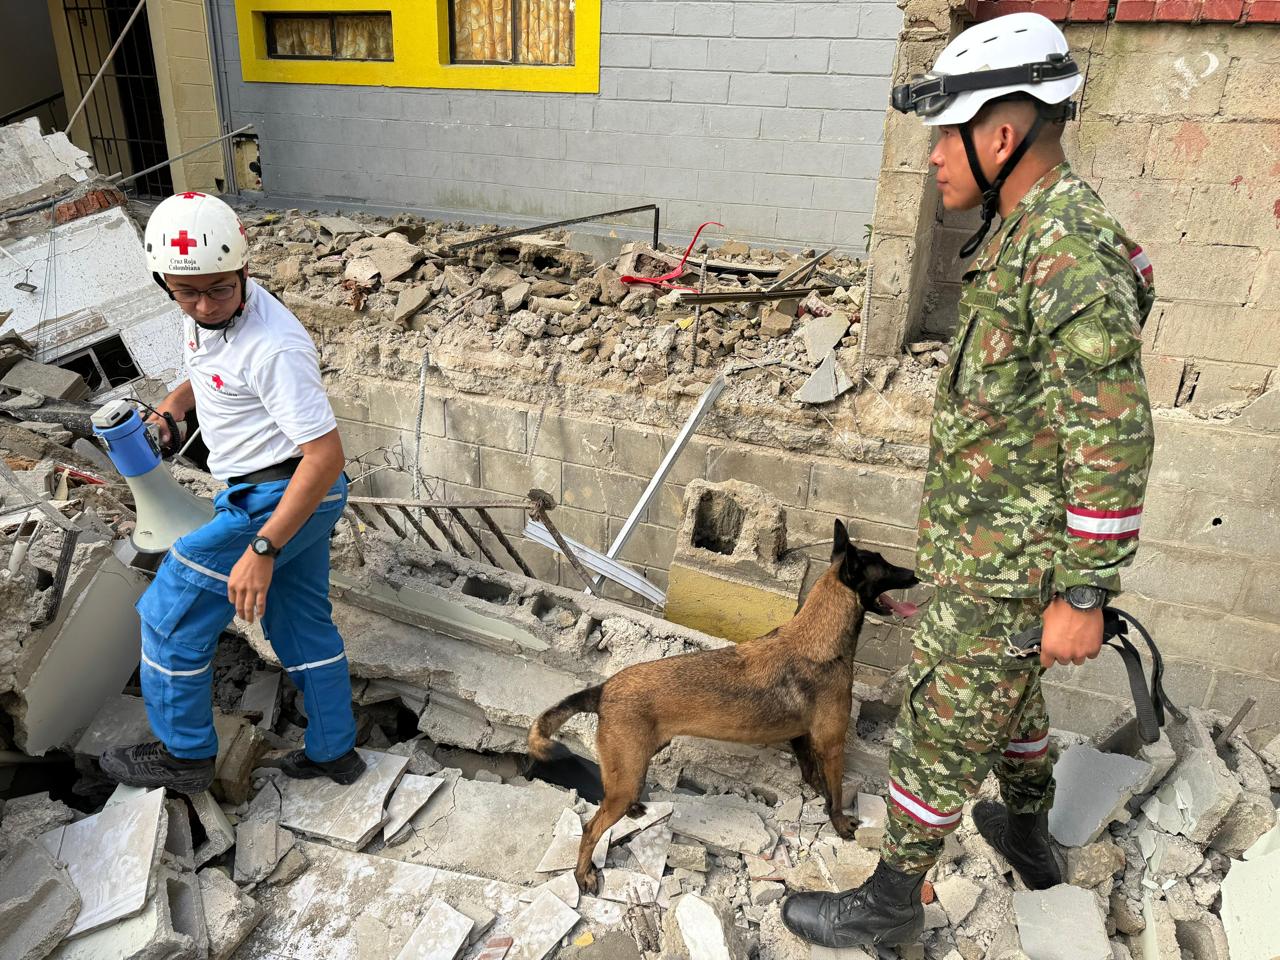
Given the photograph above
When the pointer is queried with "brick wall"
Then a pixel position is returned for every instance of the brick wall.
(765, 115)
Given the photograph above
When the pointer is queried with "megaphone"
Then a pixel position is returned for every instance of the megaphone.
(165, 509)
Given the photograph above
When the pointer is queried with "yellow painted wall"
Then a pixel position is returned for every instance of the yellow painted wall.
(420, 36)
(725, 608)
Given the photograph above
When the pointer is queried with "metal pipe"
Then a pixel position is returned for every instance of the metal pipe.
(103, 69)
(538, 227)
(142, 173)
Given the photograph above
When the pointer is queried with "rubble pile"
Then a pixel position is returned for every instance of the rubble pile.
(537, 296)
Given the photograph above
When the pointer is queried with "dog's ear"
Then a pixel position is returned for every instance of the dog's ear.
(840, 540)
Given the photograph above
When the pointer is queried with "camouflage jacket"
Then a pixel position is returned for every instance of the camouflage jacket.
(1042, 435)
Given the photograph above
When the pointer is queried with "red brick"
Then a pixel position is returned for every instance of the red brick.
(1090, 11)
(1177, 11)
(1134, 11)
(1222, 11)
(990, 9)
(1263, 11)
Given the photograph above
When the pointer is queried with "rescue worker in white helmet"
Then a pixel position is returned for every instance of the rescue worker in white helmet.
(1039, 450)
(254, 379)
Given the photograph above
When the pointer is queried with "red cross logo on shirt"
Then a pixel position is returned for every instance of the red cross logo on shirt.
(190, 195)
(217, 382)
(191, 344)
(183, 242)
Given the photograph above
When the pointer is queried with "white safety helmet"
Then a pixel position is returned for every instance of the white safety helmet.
(193, 233)
(1017, 53)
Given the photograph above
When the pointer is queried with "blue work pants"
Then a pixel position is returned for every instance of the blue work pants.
(186, 608)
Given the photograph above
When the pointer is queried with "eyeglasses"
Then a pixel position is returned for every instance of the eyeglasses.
(221, 293)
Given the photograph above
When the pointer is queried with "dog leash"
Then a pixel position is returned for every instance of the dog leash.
(1149, 705)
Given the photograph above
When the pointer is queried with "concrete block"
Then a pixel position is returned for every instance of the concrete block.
(110, 858)
(698, 929)
(884, 496)
(470, 421)
(1094, 864)
(568, 438)
(350, 815)
(1093, 789)
(220, 836)
(729, 573)
(47, 380)
(171, 924)
(515, 474)
(395, 404)
(1061, 923)
(38, 901)
(260, 846)
(785, 477)
(720, 825)
(230, 915)
(958, 896)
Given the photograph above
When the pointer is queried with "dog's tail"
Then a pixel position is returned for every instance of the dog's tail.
(541, 746)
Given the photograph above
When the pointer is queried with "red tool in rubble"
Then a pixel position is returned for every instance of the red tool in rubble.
(678, 271)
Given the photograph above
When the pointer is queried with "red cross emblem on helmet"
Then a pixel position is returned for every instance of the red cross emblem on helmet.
(190, 195)
(183, 242)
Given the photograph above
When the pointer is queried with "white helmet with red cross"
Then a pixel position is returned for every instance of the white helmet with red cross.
(192, 233)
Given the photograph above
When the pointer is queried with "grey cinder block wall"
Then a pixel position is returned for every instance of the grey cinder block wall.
(766, 115)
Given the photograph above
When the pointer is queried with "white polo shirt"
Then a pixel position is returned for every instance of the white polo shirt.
(257, 386)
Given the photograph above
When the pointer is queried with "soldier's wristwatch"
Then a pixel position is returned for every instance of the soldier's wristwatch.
(1084, 597)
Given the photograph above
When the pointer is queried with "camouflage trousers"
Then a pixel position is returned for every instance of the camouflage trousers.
(969, 707)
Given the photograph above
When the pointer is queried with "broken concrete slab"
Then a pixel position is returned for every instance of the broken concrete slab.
(627, 886)
(1061, 923)
(1095, 787)
(31, 816)
(562, 854)
(538, 929)
(111, 857)
(410, 795)
(220, 836)
(825, 384)
(411, 300)
(83, 658)
(466, 827)
(720, 825)
(179, 848)
(120, 722)
(171, 925)
(230, 915)
(240, 746)
(350, 815)
(1159, 937)
(1250, 892)
(260, 845)
(391, 257)
(822, 334)
(1196, 797)
(564, 886)
(29, 376)
(262, 697)
(700, 929)
(38, 901)
(440, 936)
(958, 896)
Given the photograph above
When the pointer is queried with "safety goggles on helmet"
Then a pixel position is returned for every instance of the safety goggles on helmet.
(929, 95)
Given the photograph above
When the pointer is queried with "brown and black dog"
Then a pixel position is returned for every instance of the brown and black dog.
(793, 684)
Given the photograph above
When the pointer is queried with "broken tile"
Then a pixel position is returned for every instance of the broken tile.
(565, 840)
(495, 948)
(229, 915)
(262, 696)
(1250, 892)
(38, 901)
(538, 929)
(649, 848)
(120, 721)
(627, 886)
(1094, 789)
(958, 896)
(410, 795)
(705, 930)
(655, 812)
(564, 886)
(826, 383)
(171, 924)
(441, 934)
(1061, 923)
(348, 816)
(110, 857)
(1197, 795)
(290, 867)
(220, 836)
(721, 825)
(481, 918)
(822, 334)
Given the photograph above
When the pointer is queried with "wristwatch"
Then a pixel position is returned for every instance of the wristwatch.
(1084, 597)
(264, 547)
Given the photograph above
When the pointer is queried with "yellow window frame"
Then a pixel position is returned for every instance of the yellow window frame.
(420, 41)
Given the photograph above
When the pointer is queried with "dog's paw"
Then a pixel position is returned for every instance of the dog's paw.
(845, 826)
(589, 882)
(637, 810)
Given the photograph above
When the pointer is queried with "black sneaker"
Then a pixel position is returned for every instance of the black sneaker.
(345, 770)
(151, 765)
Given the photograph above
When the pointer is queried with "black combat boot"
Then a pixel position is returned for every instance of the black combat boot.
(345, 770)
(884, 910)
(1022, 839)
(151, 765)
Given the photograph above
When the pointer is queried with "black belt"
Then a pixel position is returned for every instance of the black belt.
(1149, 705)
(281, 471)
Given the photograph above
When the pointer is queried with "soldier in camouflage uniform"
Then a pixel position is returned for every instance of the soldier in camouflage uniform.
(1039, 451)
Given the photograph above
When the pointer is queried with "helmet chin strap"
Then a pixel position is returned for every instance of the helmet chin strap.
(226, 324)
(991, 191)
